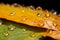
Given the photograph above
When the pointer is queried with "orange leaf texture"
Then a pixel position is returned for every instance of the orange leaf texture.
(30, 16)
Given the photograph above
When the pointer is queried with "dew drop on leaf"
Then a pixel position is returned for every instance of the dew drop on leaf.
(12, 13)
(16, 5)
(6, 34)
(47, 15)
(32, 8)
(39, 8)
(55, 13)
(11, 27)
(38, 14)
(24, 30)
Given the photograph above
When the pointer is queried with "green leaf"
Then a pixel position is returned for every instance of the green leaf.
(15, 31)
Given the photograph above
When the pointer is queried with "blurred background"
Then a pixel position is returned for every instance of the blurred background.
(45, 4)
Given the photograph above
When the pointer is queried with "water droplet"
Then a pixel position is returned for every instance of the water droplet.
(55, 13)
(41, 23)
(32, 8)
(16, 5)
(24, 18)
(6, 34)
(47, 15)
(39, 8)
(32, 34)
(38, 14)
(12, 13)
(54, 24)
(11, 27)
(24, 30)
(46, 11)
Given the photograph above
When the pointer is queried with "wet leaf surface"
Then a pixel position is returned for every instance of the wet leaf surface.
(19, 31)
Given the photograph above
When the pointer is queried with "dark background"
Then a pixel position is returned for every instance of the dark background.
(45, 4)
